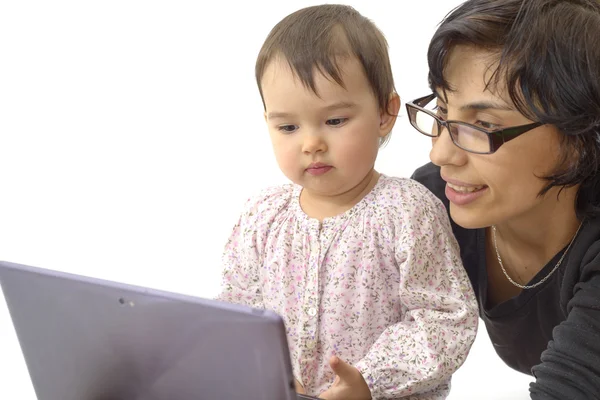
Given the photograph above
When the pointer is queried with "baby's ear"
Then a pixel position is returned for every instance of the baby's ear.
(388, 117)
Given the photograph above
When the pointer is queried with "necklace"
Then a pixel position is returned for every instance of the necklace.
(546, 277)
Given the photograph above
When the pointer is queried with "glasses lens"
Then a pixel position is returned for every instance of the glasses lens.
(470, 138)
(424, 122)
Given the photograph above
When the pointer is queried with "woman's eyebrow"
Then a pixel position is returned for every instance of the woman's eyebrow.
(486, 105)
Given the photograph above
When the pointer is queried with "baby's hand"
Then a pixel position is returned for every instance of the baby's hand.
(349, 384)
(299, 387)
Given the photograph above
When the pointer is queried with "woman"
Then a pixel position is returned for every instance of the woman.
(515, 123)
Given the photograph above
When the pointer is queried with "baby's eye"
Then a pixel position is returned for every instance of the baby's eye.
(287, 128)
(336, 121)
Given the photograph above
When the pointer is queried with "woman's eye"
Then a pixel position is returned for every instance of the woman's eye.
(487, 125)
(287, 128)
(441, 111)
(336, 121)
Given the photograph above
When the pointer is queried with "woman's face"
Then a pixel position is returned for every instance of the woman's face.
(496, 188)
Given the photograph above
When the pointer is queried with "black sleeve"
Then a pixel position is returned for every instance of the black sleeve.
(570, 367)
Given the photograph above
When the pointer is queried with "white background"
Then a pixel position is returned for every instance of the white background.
(131, 132)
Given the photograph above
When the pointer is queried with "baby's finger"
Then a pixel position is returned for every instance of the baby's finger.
(299, 387)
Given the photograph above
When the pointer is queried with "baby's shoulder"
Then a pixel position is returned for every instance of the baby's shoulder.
(408, 211)
(405, 196)
(269, 202)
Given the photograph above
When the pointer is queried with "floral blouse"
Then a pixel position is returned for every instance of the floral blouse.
(381, 286)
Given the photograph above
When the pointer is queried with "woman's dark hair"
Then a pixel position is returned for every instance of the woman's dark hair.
(549, 57)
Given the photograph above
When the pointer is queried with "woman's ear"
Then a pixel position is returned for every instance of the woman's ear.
(388, 117)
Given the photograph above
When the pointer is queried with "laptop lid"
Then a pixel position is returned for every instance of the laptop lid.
(91, 339)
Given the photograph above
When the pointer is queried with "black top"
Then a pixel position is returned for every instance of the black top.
(560, 318)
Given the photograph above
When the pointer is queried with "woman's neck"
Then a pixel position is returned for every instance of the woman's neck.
(536, 237)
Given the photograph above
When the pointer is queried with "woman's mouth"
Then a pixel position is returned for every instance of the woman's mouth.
(463, 195)
(465, 189)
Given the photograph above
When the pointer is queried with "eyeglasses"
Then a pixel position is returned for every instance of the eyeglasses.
(423, 117)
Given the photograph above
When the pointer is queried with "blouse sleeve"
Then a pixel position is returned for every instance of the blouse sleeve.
(243, 254)
(420, 354)
(240, 262)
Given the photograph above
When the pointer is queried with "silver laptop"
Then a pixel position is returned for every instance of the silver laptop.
(90, 339)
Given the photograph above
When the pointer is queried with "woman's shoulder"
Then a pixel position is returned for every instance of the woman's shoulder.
(583, 262)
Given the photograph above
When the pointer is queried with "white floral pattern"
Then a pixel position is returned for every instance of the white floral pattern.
(381, 286)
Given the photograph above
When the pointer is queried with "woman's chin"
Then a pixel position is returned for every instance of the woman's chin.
(469, 219)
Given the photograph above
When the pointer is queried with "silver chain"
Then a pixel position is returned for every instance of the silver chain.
(546, 277)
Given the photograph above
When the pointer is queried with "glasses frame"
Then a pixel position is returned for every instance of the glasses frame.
(496, 137)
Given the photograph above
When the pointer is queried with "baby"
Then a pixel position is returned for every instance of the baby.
(362, 267)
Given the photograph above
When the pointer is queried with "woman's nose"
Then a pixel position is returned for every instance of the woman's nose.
(444, 151)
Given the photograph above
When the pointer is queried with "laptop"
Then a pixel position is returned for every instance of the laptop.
(90, 339)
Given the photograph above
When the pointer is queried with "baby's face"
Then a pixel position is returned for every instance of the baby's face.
(327, 143)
